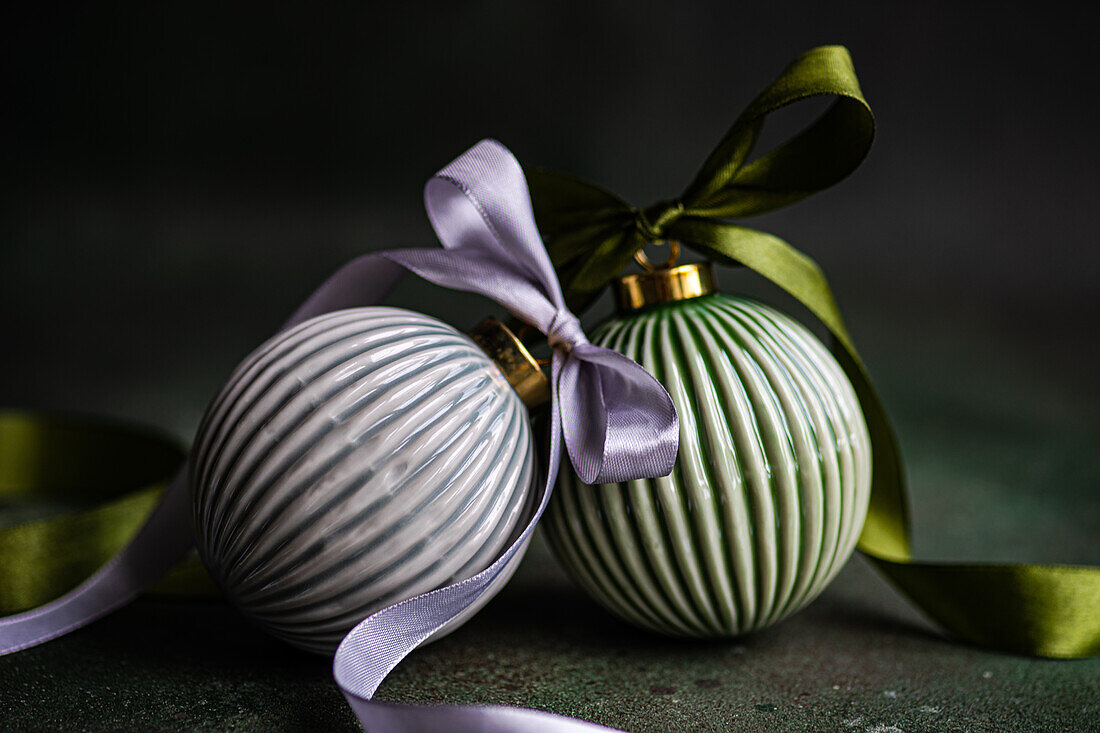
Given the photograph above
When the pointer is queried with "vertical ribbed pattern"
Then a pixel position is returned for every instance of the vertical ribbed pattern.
(359, 459)
(768, 495)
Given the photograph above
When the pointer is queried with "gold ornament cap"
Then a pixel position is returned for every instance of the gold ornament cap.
(664, 283)
(513, 359)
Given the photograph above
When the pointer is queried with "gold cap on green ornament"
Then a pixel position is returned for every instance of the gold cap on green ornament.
(664, 283)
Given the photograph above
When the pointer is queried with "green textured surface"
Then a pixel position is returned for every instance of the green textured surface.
(857, 659)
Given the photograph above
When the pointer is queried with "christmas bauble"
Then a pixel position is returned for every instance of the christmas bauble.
(771, 485)
(358, 459)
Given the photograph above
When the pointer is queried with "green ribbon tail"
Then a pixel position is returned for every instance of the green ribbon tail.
(1042, 610)
(95, 481)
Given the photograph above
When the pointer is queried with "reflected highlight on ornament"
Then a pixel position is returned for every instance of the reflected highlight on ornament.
(361, 458)
(772, 482)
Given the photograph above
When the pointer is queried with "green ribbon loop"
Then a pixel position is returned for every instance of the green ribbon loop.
(78, 489)
(592, 235)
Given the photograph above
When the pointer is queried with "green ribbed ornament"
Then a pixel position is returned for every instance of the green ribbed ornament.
(771, 487)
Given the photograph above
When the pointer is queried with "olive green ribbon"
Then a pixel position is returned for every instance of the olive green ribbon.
(592, 235)
(95, 481)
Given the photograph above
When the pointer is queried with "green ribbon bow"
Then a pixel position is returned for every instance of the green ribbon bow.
(592, 235)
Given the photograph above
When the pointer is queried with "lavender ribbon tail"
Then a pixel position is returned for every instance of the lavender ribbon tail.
(614, 419)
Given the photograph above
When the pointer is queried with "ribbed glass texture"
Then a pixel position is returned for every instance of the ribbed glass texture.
(359, 459)
(770, 488)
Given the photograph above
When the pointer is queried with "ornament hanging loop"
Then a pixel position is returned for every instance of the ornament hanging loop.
(673, 256)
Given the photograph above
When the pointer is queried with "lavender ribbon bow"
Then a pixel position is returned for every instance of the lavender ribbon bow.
(617, 422)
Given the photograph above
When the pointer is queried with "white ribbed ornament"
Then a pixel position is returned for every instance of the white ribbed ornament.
(358, 459)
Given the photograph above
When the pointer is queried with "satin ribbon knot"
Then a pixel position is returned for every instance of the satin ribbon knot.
(652, 220)
(565, 332)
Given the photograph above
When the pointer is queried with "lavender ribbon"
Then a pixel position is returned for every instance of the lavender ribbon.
(615, 420)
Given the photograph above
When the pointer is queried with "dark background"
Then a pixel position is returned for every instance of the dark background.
(179, 174)
(177, 177)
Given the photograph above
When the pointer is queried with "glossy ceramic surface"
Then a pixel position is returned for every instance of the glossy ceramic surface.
(768, 495)
(359, 459)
